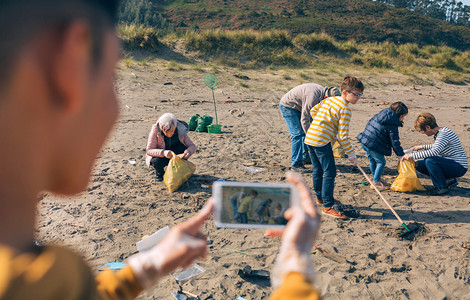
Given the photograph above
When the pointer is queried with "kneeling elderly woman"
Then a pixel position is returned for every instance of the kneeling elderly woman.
(167, 137)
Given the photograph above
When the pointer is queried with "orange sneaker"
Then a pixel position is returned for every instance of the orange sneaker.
(330, 211)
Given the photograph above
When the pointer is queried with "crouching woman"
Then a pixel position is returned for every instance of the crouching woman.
(168, 136)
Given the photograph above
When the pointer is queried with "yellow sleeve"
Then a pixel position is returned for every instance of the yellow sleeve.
(46, 273)
(58, 273)
(295, 287)
(118, 285)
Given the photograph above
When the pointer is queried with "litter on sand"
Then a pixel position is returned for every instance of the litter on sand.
(238, 251)
(112, 266)
(194, 270)
(181, 295)
(132, 162)
(148, 242)
(253, 170)
(247, 272)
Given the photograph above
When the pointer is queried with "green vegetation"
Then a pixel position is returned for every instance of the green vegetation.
(139, 37)
(251, 49)
(362, 20)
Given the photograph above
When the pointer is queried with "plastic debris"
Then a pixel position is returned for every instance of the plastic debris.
(132, 162)
(188, 273)
(238, 251)
(148, 242)
(112, 266)
(253, 170)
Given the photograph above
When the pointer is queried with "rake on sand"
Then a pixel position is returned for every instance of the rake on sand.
(381, 196)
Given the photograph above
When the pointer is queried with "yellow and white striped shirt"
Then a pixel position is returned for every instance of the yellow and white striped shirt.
(330, 122)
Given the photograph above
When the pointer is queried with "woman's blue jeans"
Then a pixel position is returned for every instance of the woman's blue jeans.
(324, 173)
(297, 134)
(377, 163)
(440, 169)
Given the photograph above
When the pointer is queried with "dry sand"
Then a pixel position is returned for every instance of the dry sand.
(358, 258)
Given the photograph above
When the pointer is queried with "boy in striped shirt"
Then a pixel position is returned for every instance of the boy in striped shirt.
(330, 122)
(444, 160)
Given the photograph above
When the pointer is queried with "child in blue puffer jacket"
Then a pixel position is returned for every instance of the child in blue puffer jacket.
(380, 136)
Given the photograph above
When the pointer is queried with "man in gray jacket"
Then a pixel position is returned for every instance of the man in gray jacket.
(295, 108)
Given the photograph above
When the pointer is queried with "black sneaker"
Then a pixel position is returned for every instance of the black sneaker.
(300, 169)
(159, 178)
(442, 191)
(451, 182)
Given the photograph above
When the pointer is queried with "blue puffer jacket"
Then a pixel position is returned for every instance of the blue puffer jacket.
(381, 133)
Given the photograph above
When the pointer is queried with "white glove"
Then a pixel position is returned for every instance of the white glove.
(352, 158)
(298, 237)
(180, 247)
(168, 154)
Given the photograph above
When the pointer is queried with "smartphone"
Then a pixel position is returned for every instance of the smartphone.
(251, 204)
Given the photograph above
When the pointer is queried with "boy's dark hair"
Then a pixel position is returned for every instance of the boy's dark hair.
(399, 108)
(425, 119)
(254, 193)
(23, 20)
(351, 83)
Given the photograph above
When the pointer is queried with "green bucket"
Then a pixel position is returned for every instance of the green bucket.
(214, 128)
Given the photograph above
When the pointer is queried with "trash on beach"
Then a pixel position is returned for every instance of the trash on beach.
(181, 295)
(132, 162)
(112, 266)
(407, 180)
(233, 250)
(253, 170)
(247, 272)
(240, 298)
(148, 242)
(338, 151)
(177, 172)
(194, 270)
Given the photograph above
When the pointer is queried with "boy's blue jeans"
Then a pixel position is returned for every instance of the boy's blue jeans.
(297, 134)
(377, 163)
(324, 173)
(440, 169)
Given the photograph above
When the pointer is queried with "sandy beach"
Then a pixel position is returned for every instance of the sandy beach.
(359, 258)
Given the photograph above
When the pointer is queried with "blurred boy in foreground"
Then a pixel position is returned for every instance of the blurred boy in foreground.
(57, 105)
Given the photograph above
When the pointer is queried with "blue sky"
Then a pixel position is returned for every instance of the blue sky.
(465, 2)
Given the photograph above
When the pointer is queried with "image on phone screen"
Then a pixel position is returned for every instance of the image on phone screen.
(247, 205)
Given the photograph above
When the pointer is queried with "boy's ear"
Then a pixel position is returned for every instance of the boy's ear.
(71, 67)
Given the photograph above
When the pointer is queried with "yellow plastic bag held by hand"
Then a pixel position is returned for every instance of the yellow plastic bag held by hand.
(407, 180)
(177, 172)
(338, 151)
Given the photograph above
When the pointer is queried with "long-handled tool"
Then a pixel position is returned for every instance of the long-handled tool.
(381, 196)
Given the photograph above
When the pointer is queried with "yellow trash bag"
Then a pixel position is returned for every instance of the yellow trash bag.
(177, 172)
(338, 151)
(407, 180)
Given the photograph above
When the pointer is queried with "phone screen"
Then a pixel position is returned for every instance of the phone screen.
(252, 205)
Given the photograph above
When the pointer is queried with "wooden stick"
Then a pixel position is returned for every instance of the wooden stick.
(381, 196)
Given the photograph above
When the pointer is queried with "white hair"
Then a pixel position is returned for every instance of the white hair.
(167, 121)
